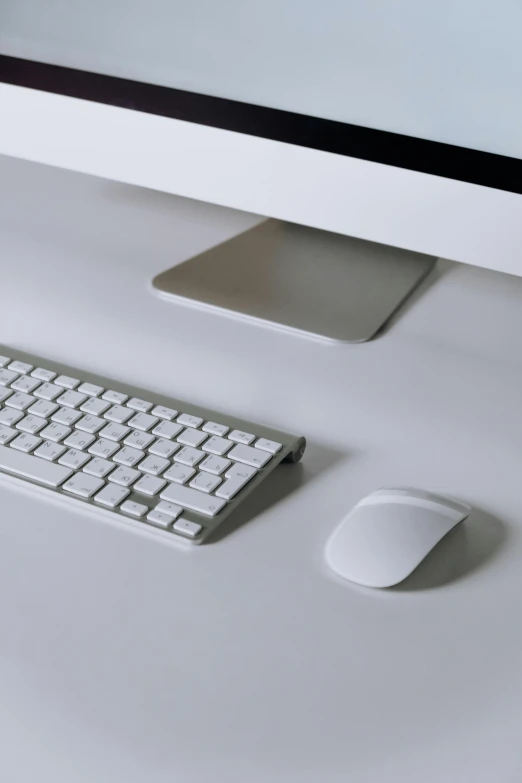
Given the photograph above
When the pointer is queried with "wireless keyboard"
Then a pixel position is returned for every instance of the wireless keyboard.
(157, 464)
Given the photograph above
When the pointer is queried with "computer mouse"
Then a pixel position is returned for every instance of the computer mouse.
(389, 533)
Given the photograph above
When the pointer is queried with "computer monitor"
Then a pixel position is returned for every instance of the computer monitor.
(397, 123)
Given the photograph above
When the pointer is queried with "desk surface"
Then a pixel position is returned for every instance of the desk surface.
(124, 661)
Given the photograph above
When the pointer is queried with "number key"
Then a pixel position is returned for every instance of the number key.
(241, 437)
(21, 367)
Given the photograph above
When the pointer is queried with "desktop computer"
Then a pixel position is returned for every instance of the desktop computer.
(374, 143)
(399, 128)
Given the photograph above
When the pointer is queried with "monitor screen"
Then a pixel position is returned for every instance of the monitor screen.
(449, 71)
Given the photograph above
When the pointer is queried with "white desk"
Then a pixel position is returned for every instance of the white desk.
(124, 661)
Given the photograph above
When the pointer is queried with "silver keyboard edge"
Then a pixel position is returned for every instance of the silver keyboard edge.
(95, 510)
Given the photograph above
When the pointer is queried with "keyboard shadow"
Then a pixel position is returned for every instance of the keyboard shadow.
(285, 480)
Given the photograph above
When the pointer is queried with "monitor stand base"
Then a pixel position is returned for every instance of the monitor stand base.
(324, 285)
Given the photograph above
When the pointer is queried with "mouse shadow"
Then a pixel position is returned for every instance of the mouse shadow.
(279, 486)
(468, 548)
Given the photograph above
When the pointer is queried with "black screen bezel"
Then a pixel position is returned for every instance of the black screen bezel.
(392, 149)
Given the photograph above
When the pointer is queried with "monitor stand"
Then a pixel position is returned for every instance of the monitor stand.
(293, 277)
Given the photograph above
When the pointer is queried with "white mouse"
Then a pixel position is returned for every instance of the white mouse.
(388, 533)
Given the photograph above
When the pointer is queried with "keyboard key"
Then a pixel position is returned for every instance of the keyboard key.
(55, 432)
(215, 429)
(71, 399)
(205, 482)
(139, 439)
(98, 467)
(5, 393)
(31, 424)
(25, 442)
(9, 417)
(44, 409)
(90, 424)
(48, 391)
(149, 485)
(217, 445)
(170, 509)
(25, 384)
(139, 405)
(134, 509)
(193, 500)
(167, 429)
(124, 476)
(230, 488)
(20, 401)
(191, 437)
(74, 459)
(7, 434)
(235, 482)
(179, 474)
(119, 414)
(43, 375)
(90, 389)
(241, 437)
(94, 406)
(111, 496)
(236, 470)
(67, 416)
(20, 367)
(115, 397)
(268, 445)
(50, 451)
(249, 456)
(103, 448)
(7, 377)
(154, 465)
(114, 432)
(189, 421)
(164, 448)
(187, 528)
(82, 485)
(158, 518)
(164, 413)
(215, 465)
(79, 440)
(128, 456)
(4, 361)
(30, 467)
(188, 456)
(67, 382)
(143, 421)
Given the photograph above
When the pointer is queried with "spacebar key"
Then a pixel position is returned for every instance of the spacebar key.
(33, 468)
(193, 500)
